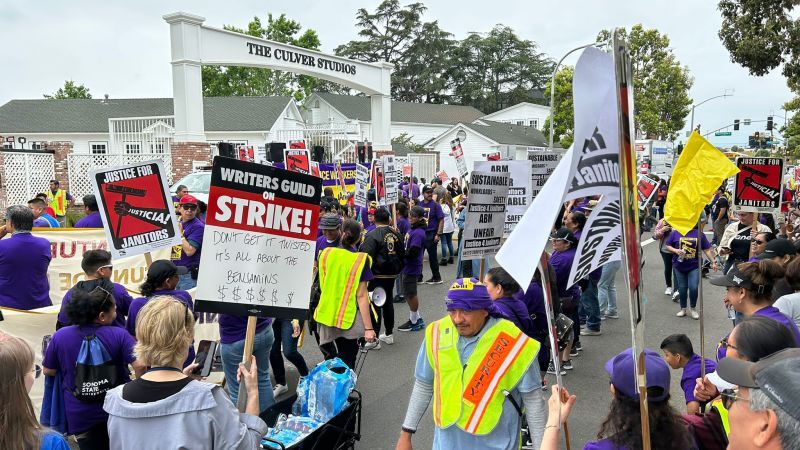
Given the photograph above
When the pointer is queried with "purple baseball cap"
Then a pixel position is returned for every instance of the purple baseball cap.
(622, 370)
(468, 294)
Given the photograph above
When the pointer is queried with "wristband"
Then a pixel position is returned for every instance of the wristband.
(369, 329)
(408, 430)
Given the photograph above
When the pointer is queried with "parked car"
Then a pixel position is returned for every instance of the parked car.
(198, 184)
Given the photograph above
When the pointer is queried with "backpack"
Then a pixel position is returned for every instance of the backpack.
(391, 251)
(95, 371)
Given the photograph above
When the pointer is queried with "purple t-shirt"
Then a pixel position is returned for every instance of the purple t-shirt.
(534, 303)
(562, 264)
(776, 315)
(322, 244)
(138, 304)
(414, 191)
(514, 310)
(433, 214)
(61, 355)
(402, 225)
(24, 259)
(687, 243)
(603, 444)
(233, 328)
(193, 231)
(361, 214)
(121, 298)
(691, 372)
(93, 220)
(414, 238)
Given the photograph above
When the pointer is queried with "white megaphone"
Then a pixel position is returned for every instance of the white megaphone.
(378, 296)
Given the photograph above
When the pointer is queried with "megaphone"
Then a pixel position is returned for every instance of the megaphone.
(378, 296)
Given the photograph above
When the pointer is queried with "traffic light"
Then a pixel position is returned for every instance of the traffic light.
(769, 123)
(736, 125)
(751, 141)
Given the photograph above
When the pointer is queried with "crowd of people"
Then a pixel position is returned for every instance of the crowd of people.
(481, 368)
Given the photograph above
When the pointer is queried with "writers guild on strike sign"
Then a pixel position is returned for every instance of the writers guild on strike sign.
(258, 251)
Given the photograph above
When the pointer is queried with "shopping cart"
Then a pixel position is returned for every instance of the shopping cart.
(339, 433)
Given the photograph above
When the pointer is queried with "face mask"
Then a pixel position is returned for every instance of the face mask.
(330, 241)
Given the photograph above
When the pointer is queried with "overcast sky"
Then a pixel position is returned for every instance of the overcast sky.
(122, 48)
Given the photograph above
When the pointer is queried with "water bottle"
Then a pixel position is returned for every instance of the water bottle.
(732, 314)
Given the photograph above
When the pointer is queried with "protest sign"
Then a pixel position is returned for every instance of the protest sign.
(315, 169)
(758, 185)
(337, 168)
(297, 160)
(600, 241)
(543, 163)
(458, 154)
(377, 181)
(136, 208)
(331, 178)
(407, 169)
(67, 247)
(646, 188)
(246, 153)
(361, 185)
(442, 175)
(258, 247)
(486, 213)
(390, 181)
(519, 189)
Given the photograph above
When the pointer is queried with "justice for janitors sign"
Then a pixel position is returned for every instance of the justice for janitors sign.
(295, 57)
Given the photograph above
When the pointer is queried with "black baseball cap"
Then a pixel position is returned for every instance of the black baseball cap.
(775, 375)
(162, 269)
(427, 189)
(736, 278)
(329, 222)
(777, 248)
(564, 234)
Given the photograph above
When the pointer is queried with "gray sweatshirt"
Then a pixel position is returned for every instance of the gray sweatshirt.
(199, 416)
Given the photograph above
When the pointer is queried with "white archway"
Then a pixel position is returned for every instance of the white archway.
(194, 45)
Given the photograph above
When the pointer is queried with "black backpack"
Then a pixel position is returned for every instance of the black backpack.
(95, 371)
(386, 247)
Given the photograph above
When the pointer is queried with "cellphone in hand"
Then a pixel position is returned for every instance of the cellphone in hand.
(206, 351)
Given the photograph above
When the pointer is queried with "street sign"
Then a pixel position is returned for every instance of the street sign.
(722, 133)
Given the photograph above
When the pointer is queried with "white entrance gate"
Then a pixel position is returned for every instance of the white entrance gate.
(194, 45)
(81, 164)
(26, 174)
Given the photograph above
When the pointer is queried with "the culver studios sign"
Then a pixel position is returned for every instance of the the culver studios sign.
(295, 57)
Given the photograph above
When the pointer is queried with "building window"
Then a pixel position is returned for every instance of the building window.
(98, 148)
(133, 148)
(535, 123)
(316, 103)
(158, 147)
(8, 146)
(37, 146)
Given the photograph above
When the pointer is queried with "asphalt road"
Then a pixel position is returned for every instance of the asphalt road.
(388, 374)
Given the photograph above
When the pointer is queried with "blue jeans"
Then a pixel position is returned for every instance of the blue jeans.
(186, 282)
(232, 356)
(687, 282)
(607, 289)
(447, 244)
(591, 305)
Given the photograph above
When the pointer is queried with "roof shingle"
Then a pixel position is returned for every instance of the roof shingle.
(360, 108)
(508, 134)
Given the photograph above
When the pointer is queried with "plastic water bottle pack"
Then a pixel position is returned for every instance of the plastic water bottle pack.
(324, 392)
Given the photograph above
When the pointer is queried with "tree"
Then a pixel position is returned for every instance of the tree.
(420, 51)
(70, 90)
(563, 110)
(661, 84)
(497, 70)
(405, 141)
(247, 81)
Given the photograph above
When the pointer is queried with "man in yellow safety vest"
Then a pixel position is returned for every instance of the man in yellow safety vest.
(60, 201)
(479, 372)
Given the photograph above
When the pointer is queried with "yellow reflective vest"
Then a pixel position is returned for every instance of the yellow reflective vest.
(471, 396)
(723, 415)
(58, 201)
(339, 275)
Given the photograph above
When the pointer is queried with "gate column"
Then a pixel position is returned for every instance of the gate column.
(187, 80)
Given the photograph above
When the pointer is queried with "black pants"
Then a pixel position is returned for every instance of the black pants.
(95, 438)
(282, 328)
(431, 247)
(667, 258)
(387, 310)
(344, 349)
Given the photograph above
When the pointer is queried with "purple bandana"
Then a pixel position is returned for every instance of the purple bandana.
(468, 294)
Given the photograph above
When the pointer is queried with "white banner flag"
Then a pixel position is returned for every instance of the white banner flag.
(600, 241)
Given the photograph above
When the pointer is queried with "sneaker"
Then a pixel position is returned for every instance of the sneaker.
(578, 346)
(675, 296)
(668, 291)
(279, 390)
(590, 332)
(419, 279)
(694, 314)
(603, 316)
(399, 299)
(387, 339)
(551, 369)
(443, 262)
(408, 326)
(681, 313)
(574, 352)
(567, 365)
(613, 316)
(434, 281)
(450, 260)
(374, 345)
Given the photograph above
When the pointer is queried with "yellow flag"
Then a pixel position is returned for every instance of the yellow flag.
(700, 171)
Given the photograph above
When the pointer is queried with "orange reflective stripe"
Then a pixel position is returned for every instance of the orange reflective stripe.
(321, 265)
(349, 288)
(437, 392)
(488, 392)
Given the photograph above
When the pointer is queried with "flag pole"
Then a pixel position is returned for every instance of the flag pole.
(699, 252)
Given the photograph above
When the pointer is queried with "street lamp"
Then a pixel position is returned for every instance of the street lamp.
(725, 94)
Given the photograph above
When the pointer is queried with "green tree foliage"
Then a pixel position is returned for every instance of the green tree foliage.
(247, 81)
(661, 84)
(70, 90)
(405, 141)
(495, 70)
(563, 110)
(420, 51)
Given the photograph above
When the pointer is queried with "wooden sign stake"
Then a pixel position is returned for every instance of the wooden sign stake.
(249, 338)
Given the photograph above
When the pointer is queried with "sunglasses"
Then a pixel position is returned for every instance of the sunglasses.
(758, 242)
(729, 397)
(37, 371)
(107, 298)
(189, 207)
(107, 266)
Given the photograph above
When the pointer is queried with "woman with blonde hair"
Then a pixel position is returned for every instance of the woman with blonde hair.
(18, 423)
(166, 397)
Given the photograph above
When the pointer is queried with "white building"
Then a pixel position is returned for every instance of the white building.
(482, 138)
(528, 114)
